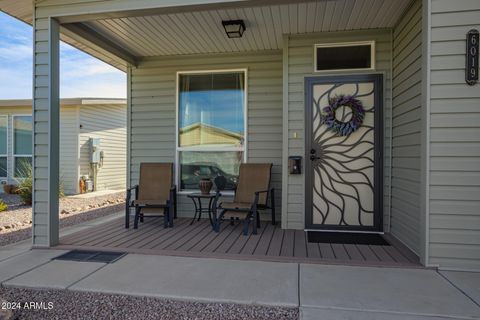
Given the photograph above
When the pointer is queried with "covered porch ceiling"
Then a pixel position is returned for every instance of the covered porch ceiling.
(122, 38)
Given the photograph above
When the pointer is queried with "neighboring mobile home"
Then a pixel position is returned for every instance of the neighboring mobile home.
(399, 153)
(80, 120)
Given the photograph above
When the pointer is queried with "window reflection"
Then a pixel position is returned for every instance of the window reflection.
(211, 122)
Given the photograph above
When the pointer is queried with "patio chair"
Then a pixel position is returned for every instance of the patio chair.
(155, 193)
(252, 193)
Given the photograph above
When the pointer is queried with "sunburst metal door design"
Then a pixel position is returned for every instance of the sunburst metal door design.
(344, 172)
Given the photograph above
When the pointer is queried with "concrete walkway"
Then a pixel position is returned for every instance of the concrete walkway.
(320, 291)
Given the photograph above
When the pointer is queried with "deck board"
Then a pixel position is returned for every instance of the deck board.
(353, 252)
(199, 240)
(288, 243)
(326, 251)
(276, 243)
(367, 253)
(300, 244)
(313, 250)
(339, 251)
(235, 233)
(265, 240)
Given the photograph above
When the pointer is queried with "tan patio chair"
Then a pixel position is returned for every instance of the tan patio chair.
(155, 193)
(253, 193)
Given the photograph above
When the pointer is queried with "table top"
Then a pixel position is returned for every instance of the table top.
(201, 195)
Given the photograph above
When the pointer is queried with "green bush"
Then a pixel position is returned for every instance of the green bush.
(3, 206)
(25, 184)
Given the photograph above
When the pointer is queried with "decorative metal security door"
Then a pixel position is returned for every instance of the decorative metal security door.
(344, 142)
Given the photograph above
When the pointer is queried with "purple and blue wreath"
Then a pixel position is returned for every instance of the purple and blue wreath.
(339, 127)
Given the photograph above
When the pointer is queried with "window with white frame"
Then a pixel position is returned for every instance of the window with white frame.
(22, 145)
(345, 56)
(3, 146)
(211, 122)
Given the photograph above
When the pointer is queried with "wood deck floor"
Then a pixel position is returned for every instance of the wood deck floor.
(198, 240)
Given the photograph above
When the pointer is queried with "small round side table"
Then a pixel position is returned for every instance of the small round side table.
(199, 209)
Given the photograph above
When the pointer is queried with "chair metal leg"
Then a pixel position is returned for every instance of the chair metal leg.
(217, 221)
(165, 218)
(141, 217)
(272, 197)
(175, 204)
(245, 226)
(255, 221)
(171, 214)
(127, 217)
(137, 216)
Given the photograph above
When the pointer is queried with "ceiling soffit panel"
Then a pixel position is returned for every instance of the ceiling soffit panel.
(202, 32)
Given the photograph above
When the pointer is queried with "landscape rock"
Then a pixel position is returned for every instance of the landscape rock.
(17, 223)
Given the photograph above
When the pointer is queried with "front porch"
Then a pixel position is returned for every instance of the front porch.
(198, 240)
(207, 103)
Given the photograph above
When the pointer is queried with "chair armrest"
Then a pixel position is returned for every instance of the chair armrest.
(263, 191)
(257, 195)
(133, 187)
(173, 193)
(129, 193)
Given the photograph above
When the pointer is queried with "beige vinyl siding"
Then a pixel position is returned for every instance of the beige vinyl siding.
(69, 149)
(454, 140)
(300, 65)
(153, 116)
(406, 128)
(68, 144)
(108, 123)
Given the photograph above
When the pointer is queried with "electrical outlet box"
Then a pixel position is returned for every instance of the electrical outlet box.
(95, 150)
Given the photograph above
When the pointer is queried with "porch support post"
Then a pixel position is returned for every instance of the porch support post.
(425, 136)
(285, 135)
(46, 106)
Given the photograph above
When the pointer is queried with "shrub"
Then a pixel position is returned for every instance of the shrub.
(3, 206)
(25, 184)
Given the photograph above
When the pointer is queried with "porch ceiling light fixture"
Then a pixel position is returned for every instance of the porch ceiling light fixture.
(234, 28)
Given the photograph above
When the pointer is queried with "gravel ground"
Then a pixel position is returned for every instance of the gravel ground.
(16, 222)
(86, 305)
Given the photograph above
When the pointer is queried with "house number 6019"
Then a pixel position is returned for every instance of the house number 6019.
(471, 71)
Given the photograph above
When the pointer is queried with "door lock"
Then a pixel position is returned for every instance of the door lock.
(312, 155)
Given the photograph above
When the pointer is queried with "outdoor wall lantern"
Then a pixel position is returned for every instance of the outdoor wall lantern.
(234, 28)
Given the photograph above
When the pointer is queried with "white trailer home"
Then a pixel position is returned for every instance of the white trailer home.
(80, 120)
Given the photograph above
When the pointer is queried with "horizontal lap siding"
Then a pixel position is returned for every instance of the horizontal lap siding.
(300, 65)
(454, 140)
(153, 110)
(407, 72)
(69, 149)
(109, 124)
(68, 144)
(41, 133)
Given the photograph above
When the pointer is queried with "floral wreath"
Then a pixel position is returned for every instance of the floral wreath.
(339, 127)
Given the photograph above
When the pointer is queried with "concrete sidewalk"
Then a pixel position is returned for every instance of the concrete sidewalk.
(320, 291)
